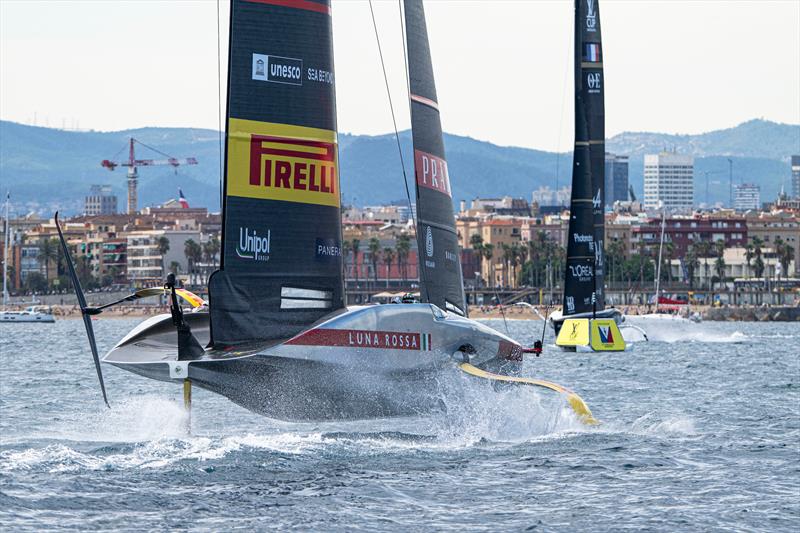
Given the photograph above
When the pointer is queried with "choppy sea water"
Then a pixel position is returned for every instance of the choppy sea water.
(694, 436)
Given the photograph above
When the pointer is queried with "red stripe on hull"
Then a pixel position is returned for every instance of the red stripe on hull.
(357, 338)
(297, 4)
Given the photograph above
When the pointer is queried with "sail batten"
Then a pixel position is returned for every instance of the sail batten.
(584, 276)
(281, 209)
(437, 239)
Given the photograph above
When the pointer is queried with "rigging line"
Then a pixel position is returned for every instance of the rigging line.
(561, 116)
(397, 136)
(414, 221)
(219, 105)
(502, 311)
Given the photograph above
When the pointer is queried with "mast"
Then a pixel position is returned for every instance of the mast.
(437, 241)
(660, 250)
(281, 267)
(584, 256)
(6, 244)
(593, 87)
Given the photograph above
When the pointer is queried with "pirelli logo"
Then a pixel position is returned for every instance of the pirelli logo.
(282, 162)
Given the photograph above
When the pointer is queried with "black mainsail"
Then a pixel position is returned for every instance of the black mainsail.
(584, 272)
(281, 250)
(437, 240)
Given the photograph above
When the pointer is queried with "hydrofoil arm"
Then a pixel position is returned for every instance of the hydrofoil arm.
(575, 401)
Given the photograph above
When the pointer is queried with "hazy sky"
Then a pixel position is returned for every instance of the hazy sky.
(503, 68)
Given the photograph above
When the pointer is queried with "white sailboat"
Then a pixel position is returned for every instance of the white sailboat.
(662, 325)
(29, 314)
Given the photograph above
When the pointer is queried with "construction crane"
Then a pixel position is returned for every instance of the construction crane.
(132, 163)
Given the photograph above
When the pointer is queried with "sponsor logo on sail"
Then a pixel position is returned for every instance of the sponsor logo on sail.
(581, 272)
(598, 256)
(593, 81)
(277, 69)
(282, 162)
(582, 238)
(591, 16)
(571, 304)
(429, 247)
(592, 53)
(252, 245)
(432, 172)
(327, 250)
(428, 242)
(596, 200)
(319, 75)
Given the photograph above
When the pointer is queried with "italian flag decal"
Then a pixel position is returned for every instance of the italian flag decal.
(426, 342)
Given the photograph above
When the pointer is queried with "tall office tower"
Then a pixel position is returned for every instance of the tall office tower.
(669, 181)
(616, 178)
(746, 196)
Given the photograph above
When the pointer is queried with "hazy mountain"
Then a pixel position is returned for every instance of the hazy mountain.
(48, 169)
(754, 138)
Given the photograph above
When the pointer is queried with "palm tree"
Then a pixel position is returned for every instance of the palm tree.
(193, 254)
(211, 250)
(174, 267)
(758, 264)
(719, 264)
(162, 243)
(507, 256)
(356, 245)
(784, 253)
(522, 257)
(748, 256)
(403, 250)
(488, 252)
(692, 264)
(374, 247)
(704, 249)
(48, 251)
(346, 255)
(476, 243)
(669, 254)
(388, 258)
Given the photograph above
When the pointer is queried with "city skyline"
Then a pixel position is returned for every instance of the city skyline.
(718, 65)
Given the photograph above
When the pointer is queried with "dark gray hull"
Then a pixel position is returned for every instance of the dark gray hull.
(328, 372)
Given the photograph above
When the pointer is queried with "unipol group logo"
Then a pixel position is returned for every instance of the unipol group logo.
(252, 245)
(277, 69)
(591, 15)
(432, 172)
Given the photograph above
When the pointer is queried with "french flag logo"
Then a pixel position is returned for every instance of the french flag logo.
(592, 53)
(182, 200)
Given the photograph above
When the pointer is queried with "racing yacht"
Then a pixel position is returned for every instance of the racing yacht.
(276, 336)
(584, 294)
